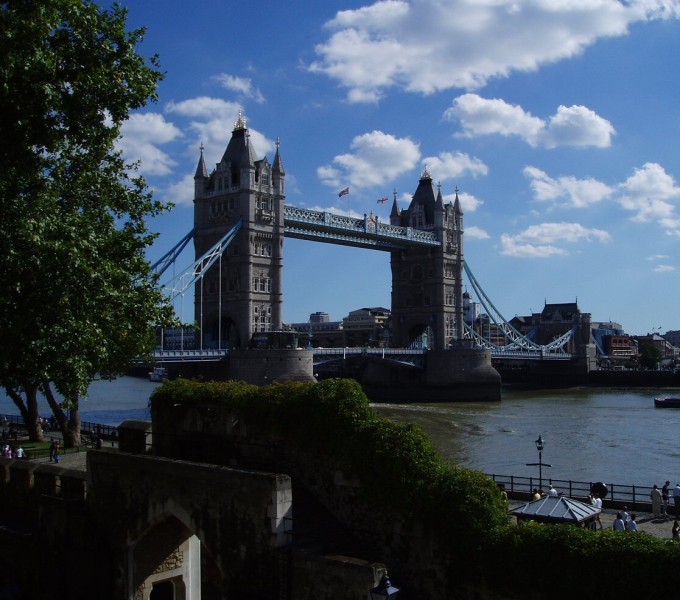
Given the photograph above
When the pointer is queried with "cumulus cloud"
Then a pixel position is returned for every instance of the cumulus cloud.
(649, 193)
(426, 46)
(476, 233)
(451, 165)
(546, 239)
(376, 158)
(140, 137)
(578, 193)
(467, 202)
(241, 85)
(575, 126)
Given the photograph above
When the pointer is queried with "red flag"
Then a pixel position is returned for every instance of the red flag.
(344, 192)
(383, 200)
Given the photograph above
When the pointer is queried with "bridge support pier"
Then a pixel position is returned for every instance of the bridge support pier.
(458, 374)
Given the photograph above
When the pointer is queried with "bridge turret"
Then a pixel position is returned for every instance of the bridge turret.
(201, 177)
(395, 214)
(278, 173)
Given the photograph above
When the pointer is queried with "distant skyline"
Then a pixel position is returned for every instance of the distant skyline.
(557, 120)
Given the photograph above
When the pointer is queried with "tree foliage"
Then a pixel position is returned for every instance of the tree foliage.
(77, 297)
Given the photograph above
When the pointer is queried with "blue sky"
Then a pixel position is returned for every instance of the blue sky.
(558, 121)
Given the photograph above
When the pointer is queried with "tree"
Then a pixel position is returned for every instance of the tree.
(650, 356)
(77, 296)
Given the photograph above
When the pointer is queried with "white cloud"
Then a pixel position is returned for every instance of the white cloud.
(648, 193)
(241, 85)
(451, 165)
(578, 193)
(476, 233)
(140, 136)
(467, 202)
(664, 269)
(426, 46)
(376, 158)
(571, 126)
(542, 241)
(181, 192)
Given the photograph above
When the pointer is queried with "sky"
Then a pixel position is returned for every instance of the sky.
(557, 121)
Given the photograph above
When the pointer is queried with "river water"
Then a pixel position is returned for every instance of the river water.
(615, 436)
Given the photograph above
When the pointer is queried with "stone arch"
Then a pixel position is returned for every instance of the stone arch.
(229, 337)
(169, 560)
(421, 335)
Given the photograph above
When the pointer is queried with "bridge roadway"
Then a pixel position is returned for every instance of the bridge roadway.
(324, 355)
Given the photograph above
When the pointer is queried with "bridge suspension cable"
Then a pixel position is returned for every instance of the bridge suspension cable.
(515, 342)
(198, 269)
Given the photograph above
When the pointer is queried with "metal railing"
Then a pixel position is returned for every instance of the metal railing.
(632, 496)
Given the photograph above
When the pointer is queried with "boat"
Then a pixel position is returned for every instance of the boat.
(159, 374)
(667, 402)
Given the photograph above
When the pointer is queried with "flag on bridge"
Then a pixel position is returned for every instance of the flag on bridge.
(344, 192)
(383, 200)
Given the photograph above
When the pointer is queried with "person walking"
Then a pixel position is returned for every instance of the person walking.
(656, 497)
(676, 499)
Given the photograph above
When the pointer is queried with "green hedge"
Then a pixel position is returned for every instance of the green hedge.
(400, 470)
(396, 463)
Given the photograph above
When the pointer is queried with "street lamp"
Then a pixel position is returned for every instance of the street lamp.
(384, 589)
(540, 444)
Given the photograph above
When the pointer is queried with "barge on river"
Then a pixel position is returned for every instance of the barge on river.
(667, 402)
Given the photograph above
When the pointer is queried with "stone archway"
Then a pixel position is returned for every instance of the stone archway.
(224, 333)
(421, 336)
(166, 563)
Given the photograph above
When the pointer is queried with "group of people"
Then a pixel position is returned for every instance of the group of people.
(8, 451)
(625, 522)
(661, 500)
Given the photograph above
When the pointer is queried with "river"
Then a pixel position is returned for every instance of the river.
(590, 434)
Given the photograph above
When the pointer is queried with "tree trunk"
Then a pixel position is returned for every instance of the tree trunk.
(68, 424)
(29, 411)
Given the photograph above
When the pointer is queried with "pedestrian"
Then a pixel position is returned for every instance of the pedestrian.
(676, 499)
(665, 496)
(624, 515)
(631, 524)
(618, 523)
(675, 532)
(596, 501)
(52, 450)
(552, 492)
(537, 495)
(501, 487)
(56, 452)
(656, 497)
(20, 452)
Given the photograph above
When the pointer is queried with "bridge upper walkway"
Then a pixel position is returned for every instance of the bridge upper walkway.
(369, 232)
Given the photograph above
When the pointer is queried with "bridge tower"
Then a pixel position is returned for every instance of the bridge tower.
(242, 293)
(427, 284)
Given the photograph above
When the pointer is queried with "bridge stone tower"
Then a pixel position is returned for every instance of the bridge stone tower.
(242, 292)
(427, 284)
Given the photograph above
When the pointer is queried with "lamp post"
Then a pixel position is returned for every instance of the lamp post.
(384, 589)
(540, 444)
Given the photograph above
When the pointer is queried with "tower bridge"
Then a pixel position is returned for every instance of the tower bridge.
(241, 221)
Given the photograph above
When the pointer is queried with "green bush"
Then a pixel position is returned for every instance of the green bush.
(396, 463)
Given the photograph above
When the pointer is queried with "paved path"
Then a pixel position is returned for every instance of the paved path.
(658, 527)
